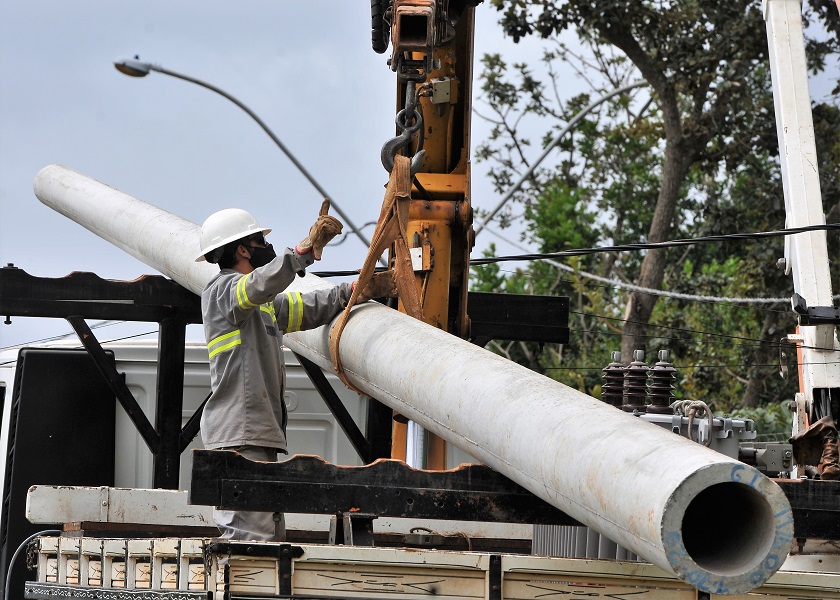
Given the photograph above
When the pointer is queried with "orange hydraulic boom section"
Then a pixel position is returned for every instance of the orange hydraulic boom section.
(432, 54)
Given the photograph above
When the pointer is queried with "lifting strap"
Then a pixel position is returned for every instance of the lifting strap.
(390, 229)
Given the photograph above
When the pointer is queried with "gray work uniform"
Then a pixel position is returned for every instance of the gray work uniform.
(245, 317)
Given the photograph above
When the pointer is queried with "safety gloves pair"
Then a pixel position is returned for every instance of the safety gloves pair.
(320, 234)
(381, 285)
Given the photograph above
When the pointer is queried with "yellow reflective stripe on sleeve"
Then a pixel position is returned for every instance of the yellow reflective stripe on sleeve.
(224, 342)
(295, 311)
(235, 342)
(268, 307)
(241, 294)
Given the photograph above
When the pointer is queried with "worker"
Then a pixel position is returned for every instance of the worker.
(246, 311)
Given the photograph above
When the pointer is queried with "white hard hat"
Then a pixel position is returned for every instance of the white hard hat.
(226, 226)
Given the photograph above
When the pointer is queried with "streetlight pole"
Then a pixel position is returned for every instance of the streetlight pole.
(134, 67)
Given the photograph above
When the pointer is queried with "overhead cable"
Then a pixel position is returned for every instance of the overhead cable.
(547, 257)
(682, 367)
(60, 337)
(709, 239)
(637, 288)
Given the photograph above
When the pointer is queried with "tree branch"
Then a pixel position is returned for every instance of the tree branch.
(623, 39)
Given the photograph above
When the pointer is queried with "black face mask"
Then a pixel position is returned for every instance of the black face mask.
(261, 256)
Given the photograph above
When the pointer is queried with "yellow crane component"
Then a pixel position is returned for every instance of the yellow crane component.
(432, 54)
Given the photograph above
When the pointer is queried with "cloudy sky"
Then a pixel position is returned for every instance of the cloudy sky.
(306, 68)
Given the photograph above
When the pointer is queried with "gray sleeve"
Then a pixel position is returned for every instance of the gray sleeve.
(297, 311)
(263, 284)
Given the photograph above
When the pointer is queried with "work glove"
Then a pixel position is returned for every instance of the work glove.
(320, 234)
(381, 285)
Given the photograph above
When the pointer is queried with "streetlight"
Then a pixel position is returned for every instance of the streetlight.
(134, 67)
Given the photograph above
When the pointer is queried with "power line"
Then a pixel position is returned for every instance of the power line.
(755, 341)
(478, 262)
(550, 147)
(750, 365)
(119, 339)
(614, 283)
(721, 366)
(601, 249)
(735, 302)
(657, 245)
(128, 337)
(59, 337)
(753, 344)
(672, 328)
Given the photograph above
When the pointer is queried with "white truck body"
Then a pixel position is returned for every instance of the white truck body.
(312, 429)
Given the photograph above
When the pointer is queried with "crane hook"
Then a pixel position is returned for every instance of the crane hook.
(409, 121)
(394, 145)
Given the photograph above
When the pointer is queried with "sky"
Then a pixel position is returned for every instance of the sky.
(306, 68)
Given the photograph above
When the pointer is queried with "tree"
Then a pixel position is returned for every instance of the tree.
(696, 157)
(705, 63)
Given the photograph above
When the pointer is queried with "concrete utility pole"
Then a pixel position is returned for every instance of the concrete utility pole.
(806, 254)
(652, 492)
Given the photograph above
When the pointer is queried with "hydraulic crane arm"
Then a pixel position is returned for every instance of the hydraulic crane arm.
(432, 56)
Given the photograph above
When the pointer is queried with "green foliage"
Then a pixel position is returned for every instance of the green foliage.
(706, 122)
(772, 421)
(487, 278)
(718, 346)
(560, 219)
(827, 133)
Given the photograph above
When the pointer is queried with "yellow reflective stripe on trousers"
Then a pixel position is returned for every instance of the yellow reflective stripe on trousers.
(268, 307)
(295, 311)
(224, 342)
(241, 294)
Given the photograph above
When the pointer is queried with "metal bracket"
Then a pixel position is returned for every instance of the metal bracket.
(414, 29)
(116, 383)
(421, 259)
(355, 529)
(494, 574)
(284, 553)
(815, 315)
(151, 298)
(444, 90)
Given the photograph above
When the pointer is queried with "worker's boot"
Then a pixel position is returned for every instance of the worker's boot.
(817, 445)
(829, 467)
